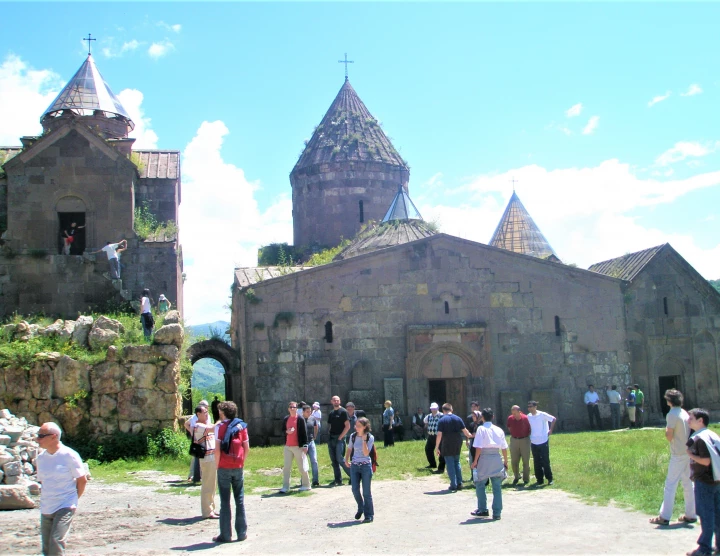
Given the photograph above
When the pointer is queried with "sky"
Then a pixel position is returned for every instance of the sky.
(605, 114)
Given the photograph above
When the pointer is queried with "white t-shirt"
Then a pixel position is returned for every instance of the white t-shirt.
(677, 421)
(539, 427)
(145, 305)
(205, 434)
(58, 473)
(110, 250)
(489, 436)
(318, 418)
(614, 396)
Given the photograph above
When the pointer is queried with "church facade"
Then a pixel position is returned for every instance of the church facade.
(83, 170)
(424, 317)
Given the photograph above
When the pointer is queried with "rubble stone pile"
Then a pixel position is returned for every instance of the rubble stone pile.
(18, 450)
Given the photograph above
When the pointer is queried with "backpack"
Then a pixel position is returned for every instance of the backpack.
(373, 451)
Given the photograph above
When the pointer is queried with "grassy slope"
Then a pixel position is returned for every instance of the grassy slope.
(626, 468)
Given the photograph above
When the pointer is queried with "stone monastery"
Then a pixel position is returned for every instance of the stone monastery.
(414, 316)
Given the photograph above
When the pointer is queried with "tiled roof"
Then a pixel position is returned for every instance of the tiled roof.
(628, 266)
(6, 153)
(245, 277)
(159, 164)
(518, 232)
(384, 235)
(348, 132)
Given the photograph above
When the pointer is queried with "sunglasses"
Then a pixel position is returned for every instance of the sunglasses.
(292, 407)
(44, 435)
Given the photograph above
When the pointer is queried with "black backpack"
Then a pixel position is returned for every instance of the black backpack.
(373, 451)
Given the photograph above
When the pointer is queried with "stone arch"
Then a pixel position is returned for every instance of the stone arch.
(228, 357)
(666, 366)
(466, 356)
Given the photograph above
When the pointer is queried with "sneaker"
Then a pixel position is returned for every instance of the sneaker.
(478, 513)
(550, 482)
(496, 518)
(315, 484)
(241, 539)
(515, 481)
(358, 515)
(304, 489)
(368, 520)
(283, 491)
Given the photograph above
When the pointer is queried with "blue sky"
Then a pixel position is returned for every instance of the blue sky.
(605, 113)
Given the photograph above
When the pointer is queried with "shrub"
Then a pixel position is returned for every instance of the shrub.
(167, 443)
(127, 446)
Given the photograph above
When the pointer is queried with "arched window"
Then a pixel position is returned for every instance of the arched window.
(328, 332)
(362, 211)
(447, 308)
(557, 325)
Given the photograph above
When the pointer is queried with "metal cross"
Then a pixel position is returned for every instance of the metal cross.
(514, 181)
(89, 43)
(346, 62)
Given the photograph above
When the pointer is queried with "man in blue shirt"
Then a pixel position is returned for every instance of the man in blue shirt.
(449, 443)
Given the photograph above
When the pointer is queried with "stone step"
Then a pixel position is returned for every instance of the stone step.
(126, 295)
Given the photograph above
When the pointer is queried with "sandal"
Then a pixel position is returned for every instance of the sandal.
(685, 519)
(659, 521)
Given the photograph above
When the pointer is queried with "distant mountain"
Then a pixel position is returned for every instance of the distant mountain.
(208, 373)
(204, 329)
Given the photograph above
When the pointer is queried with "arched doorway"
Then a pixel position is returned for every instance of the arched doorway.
(223, 354)
(71, 210)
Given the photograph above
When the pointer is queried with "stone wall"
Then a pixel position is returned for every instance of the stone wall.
(161, 196)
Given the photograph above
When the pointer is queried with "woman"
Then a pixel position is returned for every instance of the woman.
(146, 318)
(163, 304)
(203, 433)
(388, 422)
(360, 462)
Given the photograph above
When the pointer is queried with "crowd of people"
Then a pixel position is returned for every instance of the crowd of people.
(221, 448)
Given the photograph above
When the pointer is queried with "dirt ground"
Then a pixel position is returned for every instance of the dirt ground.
(416, 516)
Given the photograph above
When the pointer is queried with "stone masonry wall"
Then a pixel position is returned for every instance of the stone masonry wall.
(372, 300)
(161, 196)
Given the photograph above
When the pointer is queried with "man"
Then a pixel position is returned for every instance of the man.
(474, 406)
(350, 408)
(63, 478)
(431, 422)
(614, 398)
(214, 409)
(317, 414)
(630, 403)
(312, 429)
(639, 406)
(489, 442)
(339, 425)
(111, 250)
(195, 471)
(203, 433)
(707, 489)
(296, 446)
(540, 441)
(591, 401)
(418, 424)
(232, 439)
(449, 442)
(519, 428)
(677, 432)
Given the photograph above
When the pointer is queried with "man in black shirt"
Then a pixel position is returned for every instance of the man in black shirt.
(339, 424)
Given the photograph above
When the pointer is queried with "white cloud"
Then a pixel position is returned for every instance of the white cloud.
(221, 223)
(659, 98)
(559, 127)
(25, 93)
(682, 150)
(145, 137)
(574, 110)
(585, 213)
(693, 90)
(176, 28)
(160, 49)
(591, 125)
(128, 46)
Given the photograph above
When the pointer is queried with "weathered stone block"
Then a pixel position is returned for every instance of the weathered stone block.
(170, 334)
(168, 377)
(108, 378)
(83, 325)
(100, 338)
(41, 381)
(144, 375)
(172, 317)
(70, 377)
(16, 384)
(70, 417)
(15, 497)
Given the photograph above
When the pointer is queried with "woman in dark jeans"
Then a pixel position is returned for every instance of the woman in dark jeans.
(388, 422)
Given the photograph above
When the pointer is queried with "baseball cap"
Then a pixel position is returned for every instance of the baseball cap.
(316, 404)
(434, 406)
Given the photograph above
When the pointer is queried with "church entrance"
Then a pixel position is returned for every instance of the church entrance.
(666, 383)
(66, 219)
(448, 390)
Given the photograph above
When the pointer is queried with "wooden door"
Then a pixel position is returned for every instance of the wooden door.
(455, 390)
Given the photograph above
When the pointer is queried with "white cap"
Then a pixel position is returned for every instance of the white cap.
(434, 406)
(316, 404)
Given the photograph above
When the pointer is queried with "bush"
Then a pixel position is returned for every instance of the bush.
(167, 443)
(127, 446)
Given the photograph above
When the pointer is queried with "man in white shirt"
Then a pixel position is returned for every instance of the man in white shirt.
(111, 250)
(540, 441)
(614, 398)
(591, 401)
(488, 443)
(195, 472)
(63, 478)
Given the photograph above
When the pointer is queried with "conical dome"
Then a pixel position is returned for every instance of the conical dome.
(86, 94)
(518, 233)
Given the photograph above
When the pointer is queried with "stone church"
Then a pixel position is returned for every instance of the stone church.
(414, 316)
(83, 169)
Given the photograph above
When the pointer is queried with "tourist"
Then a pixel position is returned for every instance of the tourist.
(703, 459)
(519, 428)
(489, 442)
(311, 427)
(69, 237)
(474, 420)
(639, 406)
(470, 419)
(591, 402)
(360, 463)
(203, 433)
(214, 409)
(614, 397)
(296, 446)
(388, 418)
(449, 442)
(431, 422)
(317, 414)
(398, 428)
(630, 403)
(418, 424)
(146, 318)
(352, 417)
(540, 441)
(339, 425)
(163, 304)
(110, 250)
(677, 432)
(232, 435)
(195, 472)
(63, 477)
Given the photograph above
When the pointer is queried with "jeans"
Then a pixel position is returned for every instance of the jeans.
(541, 457)
(54, 530)
(358, 474)
(454, 471)
(594, 415)
(430, 453)
(312, 456)
(147, 324)
(227, 479)
(707, 503)
(678, 471)
(336, 449)
(615, 415)
(496, 483)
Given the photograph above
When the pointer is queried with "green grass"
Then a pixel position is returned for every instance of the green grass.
(625, 468)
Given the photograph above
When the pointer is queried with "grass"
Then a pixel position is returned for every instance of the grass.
(623, 468)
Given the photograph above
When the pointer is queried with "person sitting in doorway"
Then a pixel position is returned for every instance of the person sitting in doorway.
(69, 236)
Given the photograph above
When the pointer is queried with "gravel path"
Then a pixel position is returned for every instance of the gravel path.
(412, 517)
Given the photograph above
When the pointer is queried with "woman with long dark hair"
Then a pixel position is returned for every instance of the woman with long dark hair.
(358, 456)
